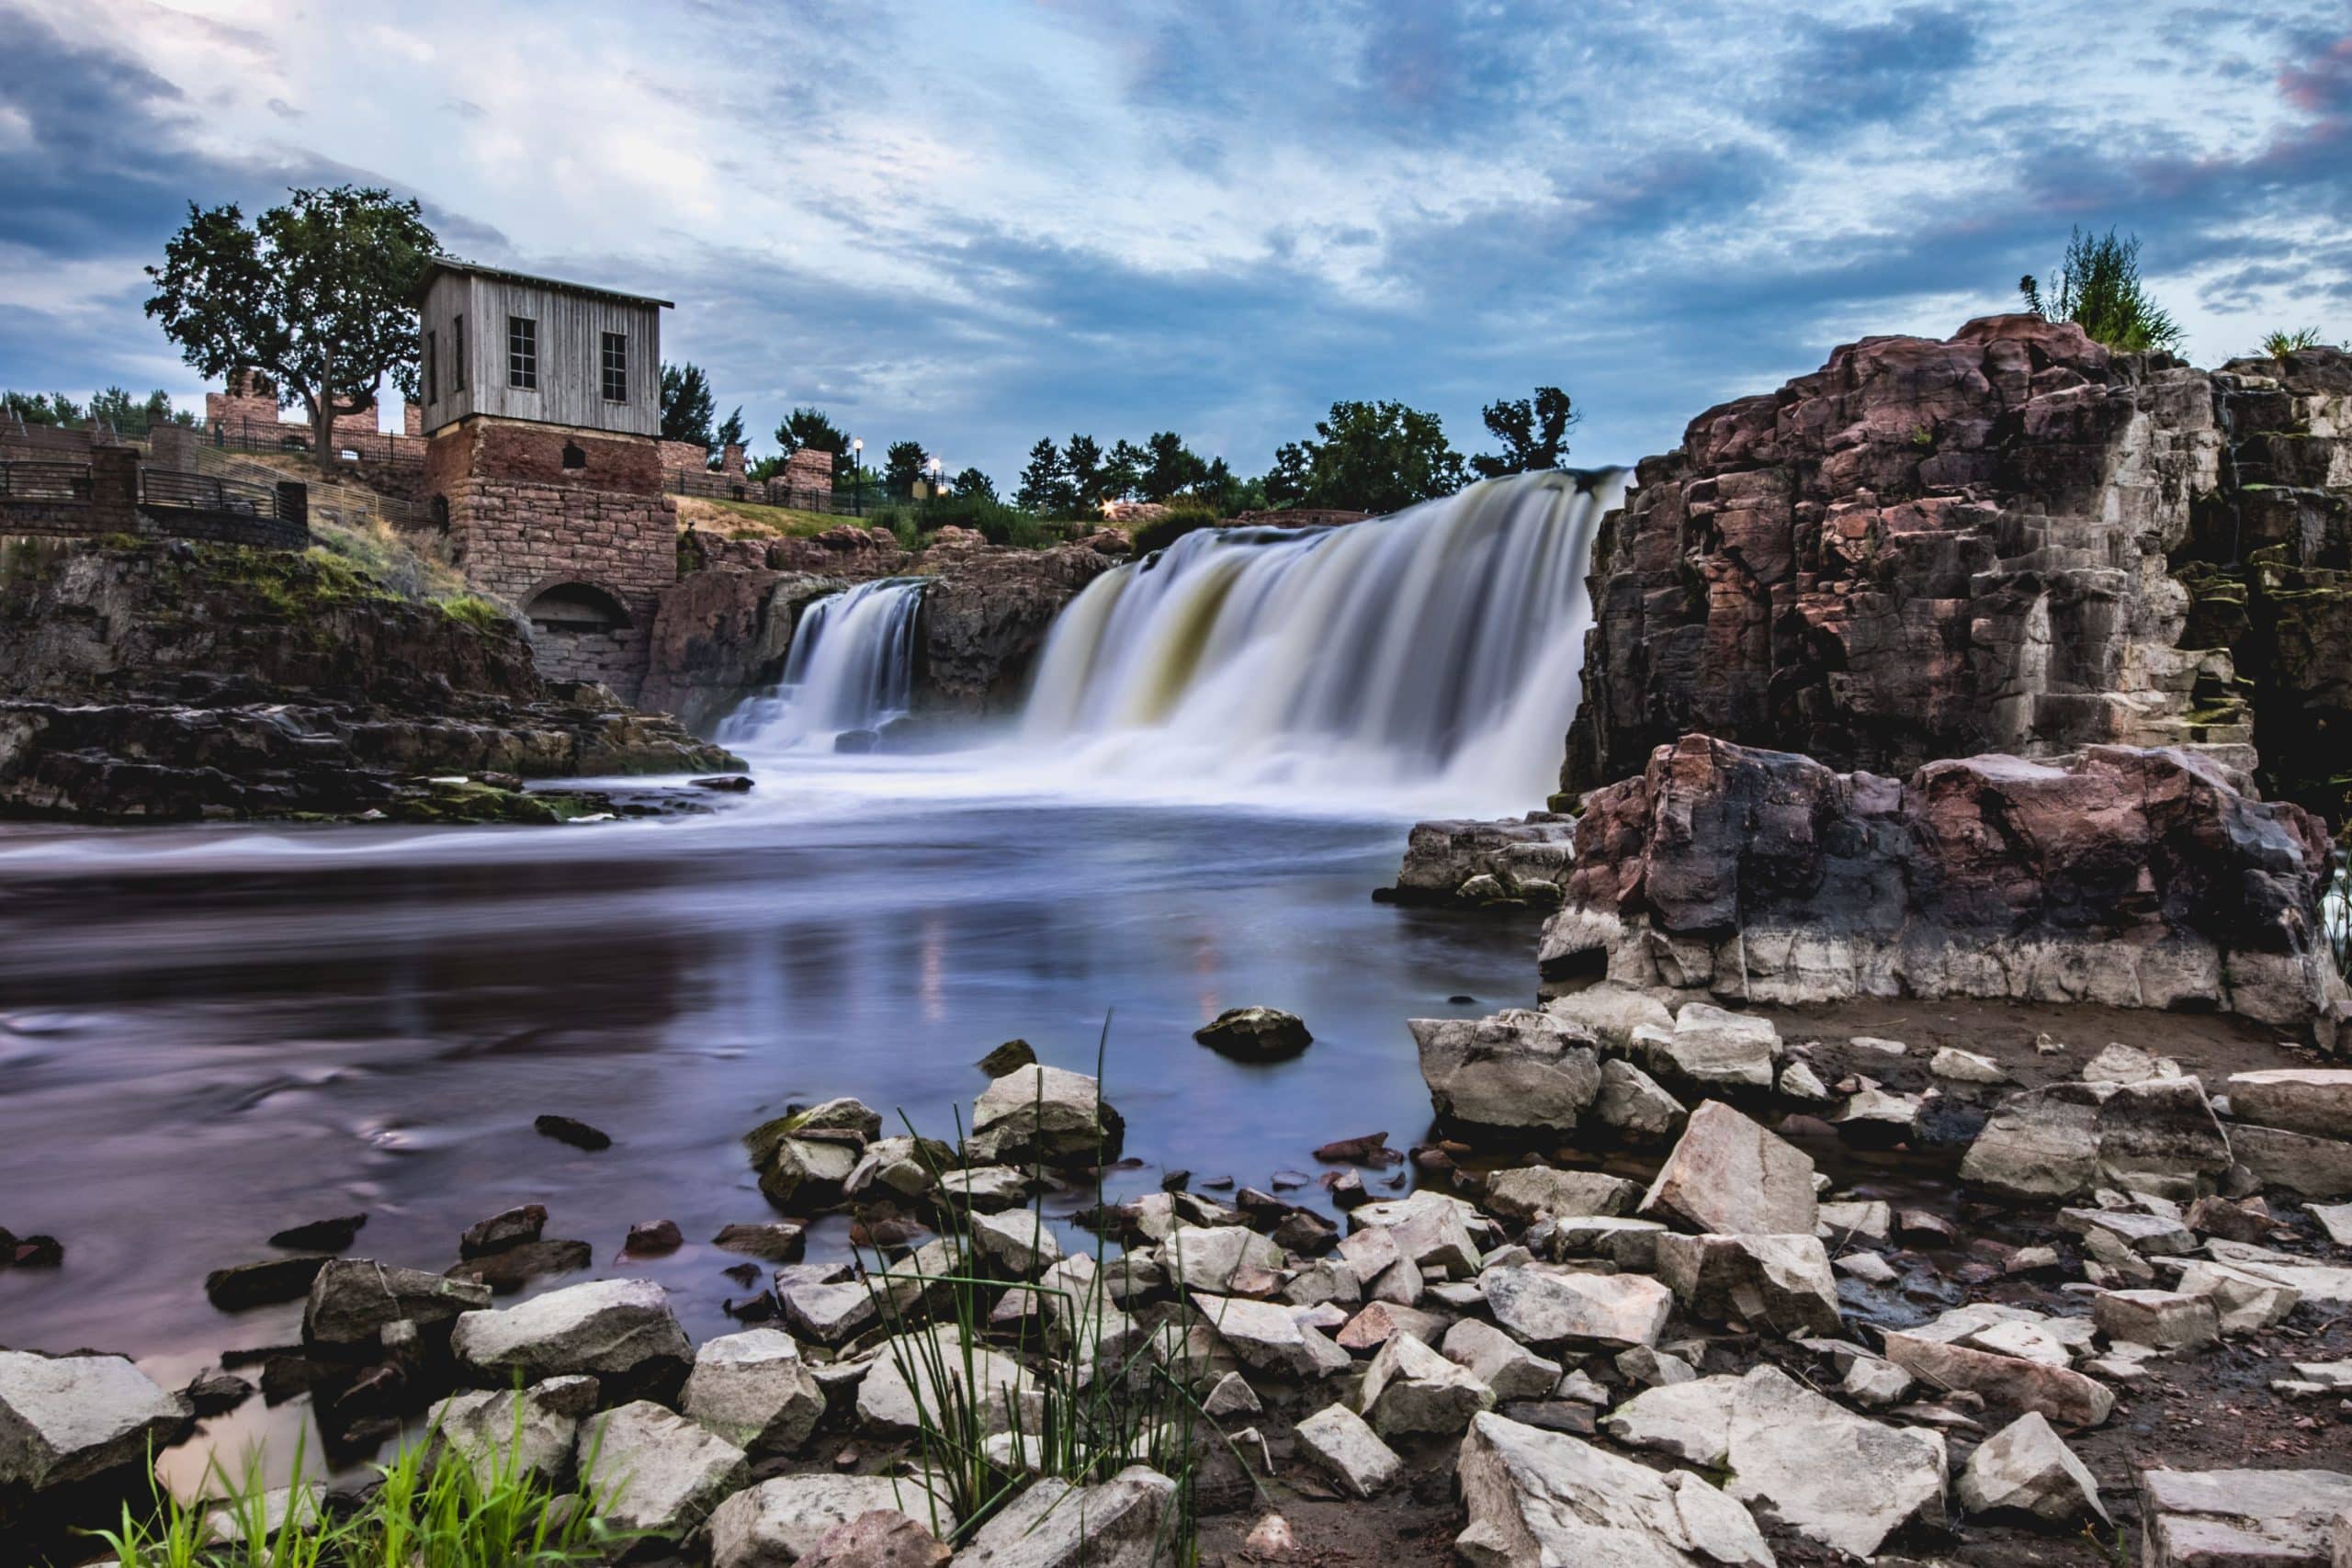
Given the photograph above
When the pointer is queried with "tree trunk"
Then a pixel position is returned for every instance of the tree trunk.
(322, 438)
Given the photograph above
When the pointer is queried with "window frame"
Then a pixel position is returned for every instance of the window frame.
(432, 366)
(458, 353)
(522, 354)
(612, 349)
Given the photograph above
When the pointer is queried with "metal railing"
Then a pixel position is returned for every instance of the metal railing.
(727, 487)
(376, 448)
(45, 482)
(203, 493)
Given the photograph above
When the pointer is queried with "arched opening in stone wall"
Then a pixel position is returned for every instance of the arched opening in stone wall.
(575, 607)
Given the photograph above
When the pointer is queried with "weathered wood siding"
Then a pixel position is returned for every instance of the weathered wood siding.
(571, 325)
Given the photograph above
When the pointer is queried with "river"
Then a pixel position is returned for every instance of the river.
(209, 1035)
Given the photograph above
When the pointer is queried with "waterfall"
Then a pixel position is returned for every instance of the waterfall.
(851, 666)
(1437, 646)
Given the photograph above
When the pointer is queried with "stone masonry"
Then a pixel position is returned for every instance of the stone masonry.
(531, 508)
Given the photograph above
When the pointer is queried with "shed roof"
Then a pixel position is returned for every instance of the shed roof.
(440, 266)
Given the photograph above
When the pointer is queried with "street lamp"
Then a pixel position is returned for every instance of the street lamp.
(935, 466)
(857, 466)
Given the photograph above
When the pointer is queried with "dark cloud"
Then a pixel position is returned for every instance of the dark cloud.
(1697, 204)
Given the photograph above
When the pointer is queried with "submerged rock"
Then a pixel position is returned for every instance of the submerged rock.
(1255, 1034)
(353, 1299)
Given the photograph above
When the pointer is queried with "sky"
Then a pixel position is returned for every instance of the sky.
(974, 224)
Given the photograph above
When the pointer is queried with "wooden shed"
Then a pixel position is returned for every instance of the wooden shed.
(513, 346)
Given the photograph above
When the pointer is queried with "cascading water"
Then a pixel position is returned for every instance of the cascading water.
(851, 666)
(1437, 647)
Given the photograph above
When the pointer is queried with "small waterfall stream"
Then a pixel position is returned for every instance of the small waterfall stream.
(851, 666)
(1440, 646)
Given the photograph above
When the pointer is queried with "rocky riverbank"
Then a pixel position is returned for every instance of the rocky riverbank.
(2037, 1295)
(178, 681)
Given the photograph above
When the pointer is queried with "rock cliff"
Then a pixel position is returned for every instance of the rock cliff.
(722, 634)
(176, 680)
(2125, 876)
(2012, 540)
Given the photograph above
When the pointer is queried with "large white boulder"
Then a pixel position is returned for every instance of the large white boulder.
(608, 1327)
(1518, 1069)
(1119, 1523)
(1728, 1175)
(1842, 1479)
(68, 1418)
(914, 1372)
(1046, 1115)
(1542, 1307)
(754, 1390)
(531, 1431)
(658, 1474)
(1345, 1448)
(777, 1522)
(1270, 1337)
(2025, 1468)
(1410, 1389)
(1541, 1499)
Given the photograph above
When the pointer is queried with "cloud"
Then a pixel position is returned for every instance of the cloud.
(972, 225)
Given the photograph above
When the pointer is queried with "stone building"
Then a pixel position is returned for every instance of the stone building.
(542, 400)
(248, 411)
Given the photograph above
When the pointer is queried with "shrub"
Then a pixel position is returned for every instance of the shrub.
(2280, 344)
(1184, 515)
(2098, 289)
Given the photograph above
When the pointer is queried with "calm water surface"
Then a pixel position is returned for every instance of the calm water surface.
(206, 1036)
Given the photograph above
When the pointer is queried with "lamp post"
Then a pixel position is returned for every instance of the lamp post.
(857, 466)
(935, 466)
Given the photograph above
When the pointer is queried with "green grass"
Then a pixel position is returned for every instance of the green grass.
(772, 521)
(493, 1513)
(1096, 1394)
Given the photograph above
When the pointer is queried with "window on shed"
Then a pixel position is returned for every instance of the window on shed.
(458, 353)
(616, 368)
(432, 369)
(523, 353)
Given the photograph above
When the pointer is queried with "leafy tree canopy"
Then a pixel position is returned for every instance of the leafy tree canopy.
(687, 407)
(1082, 461)
(972, 484)
(1367, 457)
(114, 405)
(316, 294)
(1045, 489)
(902, 464)
(2098, 289)
(811, 428)
(1534, 433)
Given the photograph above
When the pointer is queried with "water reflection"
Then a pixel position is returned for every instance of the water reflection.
(207, 1036)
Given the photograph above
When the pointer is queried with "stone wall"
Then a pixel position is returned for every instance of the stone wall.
(249, 408)
(523, 519)
(1925, 549)
(2121, 875)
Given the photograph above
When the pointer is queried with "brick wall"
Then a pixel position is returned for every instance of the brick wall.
(520, 523)
(249, 408)
(683, 457)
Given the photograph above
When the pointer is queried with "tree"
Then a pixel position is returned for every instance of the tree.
(1082, 460)
(972, 484)
(1169, 467)
(1370, 457)
(318, 295)
(687, 407)
(902, 465)
(2098, 290)
(1123, 470)
(41, 408)
(1534, 433)
(1045, 483)
(811, 429)
(730, 430)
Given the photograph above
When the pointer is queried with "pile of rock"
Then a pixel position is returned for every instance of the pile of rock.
(1508, 864)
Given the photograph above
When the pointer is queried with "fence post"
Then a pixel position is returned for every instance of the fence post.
(294, 503)
(113, 489)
